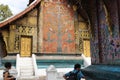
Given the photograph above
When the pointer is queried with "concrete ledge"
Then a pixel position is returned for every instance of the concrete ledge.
(102, 72)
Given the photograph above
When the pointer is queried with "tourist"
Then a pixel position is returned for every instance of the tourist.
(76, 74)
(6, 73)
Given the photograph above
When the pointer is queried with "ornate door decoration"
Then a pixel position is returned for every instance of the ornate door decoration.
(26, 46)
(86, 46)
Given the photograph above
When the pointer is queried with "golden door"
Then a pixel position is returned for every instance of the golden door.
(86, 45)
(26, 46)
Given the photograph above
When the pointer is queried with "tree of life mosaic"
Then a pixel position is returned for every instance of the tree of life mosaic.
(58, 27)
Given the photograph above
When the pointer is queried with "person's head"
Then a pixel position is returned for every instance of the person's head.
(8, 65)
(77, 66)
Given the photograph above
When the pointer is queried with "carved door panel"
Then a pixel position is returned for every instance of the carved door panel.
(26, 46)
(86, 45)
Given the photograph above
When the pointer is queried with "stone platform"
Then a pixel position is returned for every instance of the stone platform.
(102, 72)
(49, 57)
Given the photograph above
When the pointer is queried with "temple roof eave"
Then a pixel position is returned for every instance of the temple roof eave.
(15, 17)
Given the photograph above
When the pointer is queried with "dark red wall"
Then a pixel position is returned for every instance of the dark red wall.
(58, 27)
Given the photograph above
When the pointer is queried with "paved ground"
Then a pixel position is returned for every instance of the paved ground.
(42, 72)
(44, 78)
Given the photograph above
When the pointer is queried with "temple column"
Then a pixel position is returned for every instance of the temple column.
(118, 1)
(3, 51)
(12, 38)
(113, 9)
(76, 25)
(103, 33)
(107, 67)
(93, 21)
(40, 28)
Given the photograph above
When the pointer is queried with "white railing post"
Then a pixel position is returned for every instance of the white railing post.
(87, 60)
(51, 73)
(35, 64)
(17, 65)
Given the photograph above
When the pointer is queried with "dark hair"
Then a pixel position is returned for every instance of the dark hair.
(77, 66)
(8, 65)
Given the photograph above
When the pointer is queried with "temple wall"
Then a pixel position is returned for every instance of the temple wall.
(51, 26)
(114, 37)
(54, 27)
(26, 25)
(58, 27)
(105, 41)
(109, 44)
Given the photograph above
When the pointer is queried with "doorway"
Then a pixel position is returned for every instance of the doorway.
(86, 47)
(26, 46)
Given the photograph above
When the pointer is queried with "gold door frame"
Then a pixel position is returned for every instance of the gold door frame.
(24, 47)
(86, 47)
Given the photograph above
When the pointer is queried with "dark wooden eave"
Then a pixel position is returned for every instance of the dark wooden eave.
(13, 18)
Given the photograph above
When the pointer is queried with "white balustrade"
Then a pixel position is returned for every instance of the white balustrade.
(86, 60)
(52, 74)
(17, 64)
(35, 64)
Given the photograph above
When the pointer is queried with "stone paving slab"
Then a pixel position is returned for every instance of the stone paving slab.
(44, 78)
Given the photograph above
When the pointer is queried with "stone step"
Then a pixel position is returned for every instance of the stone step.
(27, 71)
(26, 68)
(28, 78)
(25, 58)
(26, 65)
(26, 74)
(26, 62)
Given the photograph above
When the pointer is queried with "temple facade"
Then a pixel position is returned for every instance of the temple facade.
(66, 27)
(47, 27)
(91, 27)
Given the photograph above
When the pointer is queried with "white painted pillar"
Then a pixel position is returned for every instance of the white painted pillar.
(51, 73)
